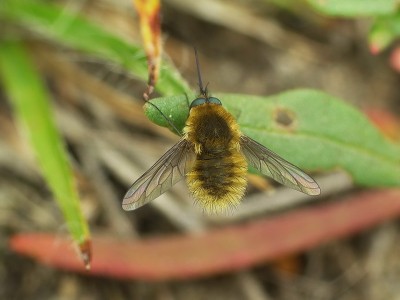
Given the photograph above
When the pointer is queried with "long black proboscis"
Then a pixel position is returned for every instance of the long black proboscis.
(202, 90)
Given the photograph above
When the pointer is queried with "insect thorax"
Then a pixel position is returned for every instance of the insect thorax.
(211, 128)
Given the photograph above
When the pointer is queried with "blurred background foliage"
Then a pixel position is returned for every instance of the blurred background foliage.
(73, 72)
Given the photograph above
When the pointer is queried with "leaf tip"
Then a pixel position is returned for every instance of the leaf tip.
(85, 249)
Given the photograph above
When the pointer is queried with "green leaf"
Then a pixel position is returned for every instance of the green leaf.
(355, 8)
(30, 100)
(69, 28)
(384, 31)
(175, 108)
(311, 129)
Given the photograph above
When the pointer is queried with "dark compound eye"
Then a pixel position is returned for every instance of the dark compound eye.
(197, 102)
(214, 100)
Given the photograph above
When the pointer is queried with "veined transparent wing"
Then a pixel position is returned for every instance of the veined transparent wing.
(167, 171)
(272, 165)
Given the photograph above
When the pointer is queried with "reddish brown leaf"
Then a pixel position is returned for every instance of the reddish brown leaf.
(220, 250)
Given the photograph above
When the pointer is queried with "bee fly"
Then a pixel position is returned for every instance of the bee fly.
(214, 156)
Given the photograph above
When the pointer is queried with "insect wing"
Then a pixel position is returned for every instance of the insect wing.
(272, 165)
(167, 171)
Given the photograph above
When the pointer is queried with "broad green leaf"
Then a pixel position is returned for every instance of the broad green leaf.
(311, 129)
(31, 103)
(355, 8)
(69, 28)
(175, 108)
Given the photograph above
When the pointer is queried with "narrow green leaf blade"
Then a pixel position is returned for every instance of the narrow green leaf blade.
(69, 28)
(355, 8)
(30, 100)
(311, 129)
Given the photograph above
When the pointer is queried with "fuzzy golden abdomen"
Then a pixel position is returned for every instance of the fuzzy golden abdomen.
(218, 180)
